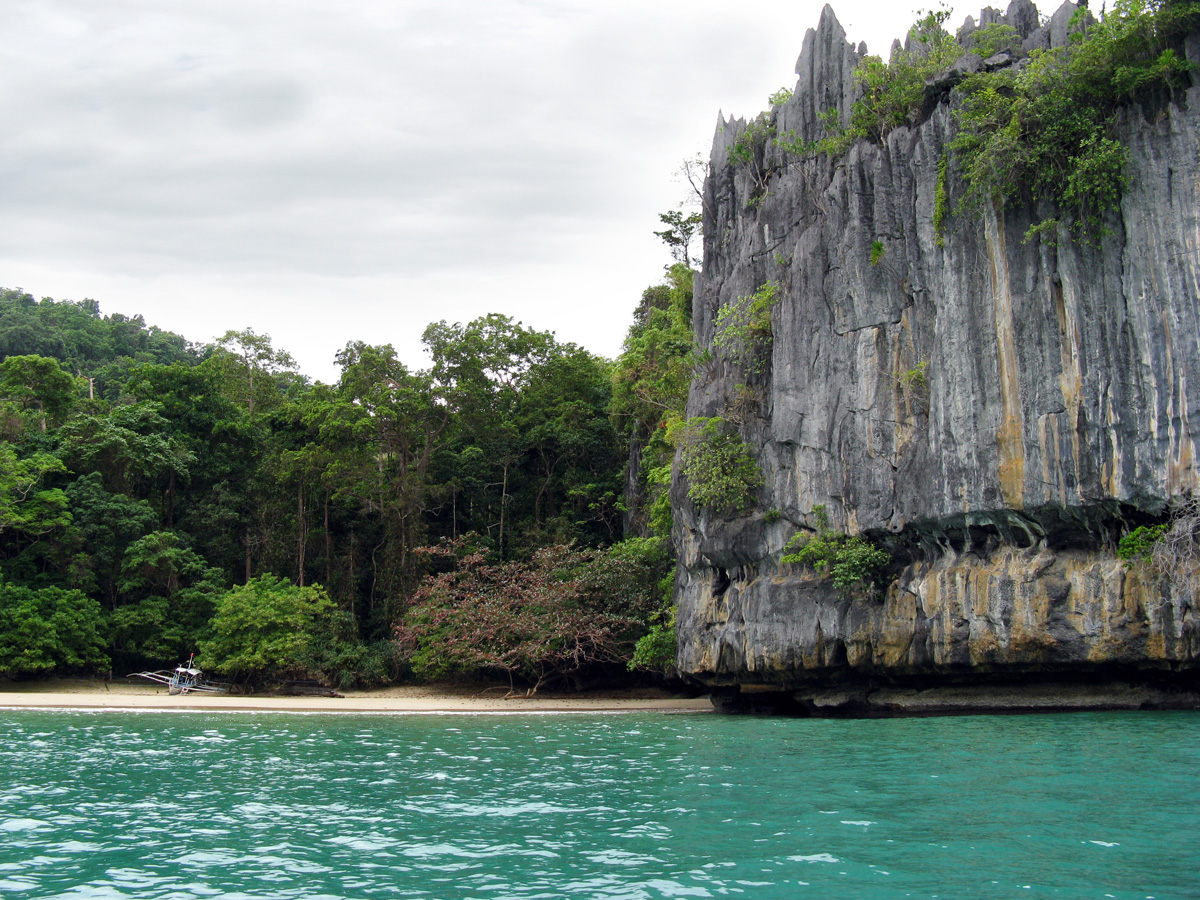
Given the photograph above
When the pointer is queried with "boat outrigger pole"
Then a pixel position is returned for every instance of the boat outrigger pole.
(184, 679)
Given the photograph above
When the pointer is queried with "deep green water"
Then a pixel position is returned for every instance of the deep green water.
(169, 805)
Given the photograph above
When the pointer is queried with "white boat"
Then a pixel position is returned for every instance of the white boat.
(184, 679)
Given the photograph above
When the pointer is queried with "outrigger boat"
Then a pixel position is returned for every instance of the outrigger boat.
(184, 679)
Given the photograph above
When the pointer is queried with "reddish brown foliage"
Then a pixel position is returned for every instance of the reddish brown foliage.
(549, 619)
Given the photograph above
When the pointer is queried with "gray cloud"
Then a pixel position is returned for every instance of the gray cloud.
(383, 142)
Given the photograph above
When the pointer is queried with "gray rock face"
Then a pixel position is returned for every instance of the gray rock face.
(992, 409)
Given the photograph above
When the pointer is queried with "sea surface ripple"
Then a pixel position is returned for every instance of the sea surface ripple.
(642, 805)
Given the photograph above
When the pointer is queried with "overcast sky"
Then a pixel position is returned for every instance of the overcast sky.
(333, 170)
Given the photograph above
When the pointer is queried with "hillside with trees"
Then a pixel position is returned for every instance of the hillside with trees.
(160, 497)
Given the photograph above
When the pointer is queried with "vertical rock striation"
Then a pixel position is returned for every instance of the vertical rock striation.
(992, 410)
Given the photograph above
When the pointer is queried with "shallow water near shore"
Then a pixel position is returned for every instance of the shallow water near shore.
(631, 805)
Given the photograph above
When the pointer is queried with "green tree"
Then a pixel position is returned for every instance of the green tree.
(130, 446)
(38, 384)
(246, 358)
(49, 630)
(268, 626)
(681, 230)
(652, 375)
(651, 378)
(28, 509)
(168, 595)
(567, 485)
(216, 500)
(385, 422)
(103, 526)
(479, 371)
(89, 345)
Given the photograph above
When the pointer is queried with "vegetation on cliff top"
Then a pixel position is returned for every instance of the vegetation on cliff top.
(1046, 130)
(1032, 129)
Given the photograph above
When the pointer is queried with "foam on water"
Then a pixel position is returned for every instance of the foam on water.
(100, 805)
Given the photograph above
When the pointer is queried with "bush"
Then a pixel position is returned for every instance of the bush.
(49, 630)
(988, 40)
(270, 627)
(743, 329)
(722, 476)
(347, 663)
(893, 93)
(748, 151)
(780, 97)
(655, 651)
(554, 618)
(1138, 545)
(853, 564)
(1171, 548)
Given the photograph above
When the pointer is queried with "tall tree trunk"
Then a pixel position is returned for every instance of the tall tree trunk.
(328, 543)
(353, 583)
(503, 504)
(302, 531)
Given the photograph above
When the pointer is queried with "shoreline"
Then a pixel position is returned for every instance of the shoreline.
(68, 694)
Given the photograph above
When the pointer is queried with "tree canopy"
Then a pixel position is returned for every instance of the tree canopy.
(159, 497)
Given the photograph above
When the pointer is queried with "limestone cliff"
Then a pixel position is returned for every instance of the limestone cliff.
(1059, 386)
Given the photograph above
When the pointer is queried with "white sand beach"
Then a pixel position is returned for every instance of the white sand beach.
(122, 694)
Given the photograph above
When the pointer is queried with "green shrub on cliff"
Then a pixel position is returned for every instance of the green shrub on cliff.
(893, 93)
(743, 329)
(721, 474)
(852, 564)
(1171, 548)
(1138, 545)
(993, 38)
(941, 206)
(748, 149)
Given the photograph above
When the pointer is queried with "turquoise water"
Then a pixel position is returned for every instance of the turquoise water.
(236, 805)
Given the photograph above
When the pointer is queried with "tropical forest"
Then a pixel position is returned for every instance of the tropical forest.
(482, 517)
